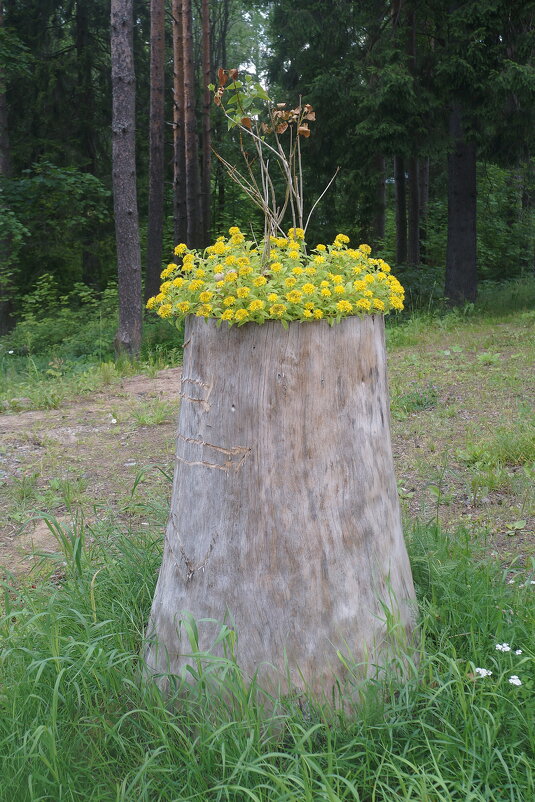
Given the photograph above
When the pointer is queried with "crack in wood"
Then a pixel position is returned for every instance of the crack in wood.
(197, 383)
(191, 567)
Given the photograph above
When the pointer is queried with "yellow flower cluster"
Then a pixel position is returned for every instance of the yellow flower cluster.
(230, 281)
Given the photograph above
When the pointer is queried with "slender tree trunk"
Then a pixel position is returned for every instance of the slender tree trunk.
(424, 204)
(461, 251)
(179, 158)
(193, 195)
(156, 147)
(413, 243)
(6, 170)
(401, 210)
(284, 520)
(128, 337)
(206, 121)
(380, 198)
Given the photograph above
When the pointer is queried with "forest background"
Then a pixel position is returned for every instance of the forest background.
(427, 109)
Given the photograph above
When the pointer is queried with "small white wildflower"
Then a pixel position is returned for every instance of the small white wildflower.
(113, 420)
(532, 582)
(11, 352)
(514, 680)
(511, 582)
(518, 651)
(503, 647)
(483, 672)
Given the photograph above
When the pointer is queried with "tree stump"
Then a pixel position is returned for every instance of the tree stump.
(285, 520)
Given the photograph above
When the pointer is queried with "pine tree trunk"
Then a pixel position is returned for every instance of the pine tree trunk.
(401, 210)
(193, 194)
(285, 519)
(156, 147)
(6, 170)
(461, 250)
(380, 199)
(424, 204)
(179, 153)
(128, 337)
(206, 123)
(413, 243)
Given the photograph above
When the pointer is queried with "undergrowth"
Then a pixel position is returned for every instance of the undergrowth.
(80, 722)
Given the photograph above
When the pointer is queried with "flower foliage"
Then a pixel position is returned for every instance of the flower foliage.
(231, 281)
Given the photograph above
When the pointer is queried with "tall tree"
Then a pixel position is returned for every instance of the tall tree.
(179, 152)
(6, 165)
(156, 147)
(206, 119)
(128, 337)
(191, 145)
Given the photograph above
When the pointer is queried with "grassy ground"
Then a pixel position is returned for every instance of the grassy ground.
(88, 481)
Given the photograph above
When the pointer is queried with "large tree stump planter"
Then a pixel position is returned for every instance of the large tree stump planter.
(285, 520)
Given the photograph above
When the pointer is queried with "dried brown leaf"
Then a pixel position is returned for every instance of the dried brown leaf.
(222, 76)
(233, 74)
(304, 130)
(281, 127)
(246, 121)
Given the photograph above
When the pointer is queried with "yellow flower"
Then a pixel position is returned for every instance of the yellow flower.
(200, 273)
(180, 248)
(359, 285)
(293, 254)
(277, 310)
(396, 302)
(369, 278)
(308, 289)
(219, 248)
(204, 311)
(159, 298)
(243, 261)
(258, 282)
(296, 233)
(234, 230)
(205, 296)
(231, 276)
(310, 271)
(165, 310)
(243, 292)
(272, 297)
(178, 281)
(368, 294)
(344, 306)
(378, 304)
(319, 259)
(228, 314)
(241, 314)
(165, 286)
(318, 314)
(341, 238)
(321, 247)
(290, 281)
(184, 307)
(196, 285)
(256, 306)
(189, 257)
(325, 284)
(298, 271)
(150, 303)
(295, 296)
(230, 260)
(245, 271)
(363, 303)
(237, 239)
(307, 313)
(230, 300)
(168, 270)
(365, 249)
(309, 305)
(276, 267)
(340, 289)
(326, 293)
(336, 279)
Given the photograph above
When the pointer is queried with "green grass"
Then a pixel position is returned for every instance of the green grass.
(78, 722)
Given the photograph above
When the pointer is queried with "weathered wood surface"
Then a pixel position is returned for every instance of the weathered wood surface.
(285, 518)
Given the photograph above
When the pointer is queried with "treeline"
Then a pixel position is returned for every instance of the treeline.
(427, 109)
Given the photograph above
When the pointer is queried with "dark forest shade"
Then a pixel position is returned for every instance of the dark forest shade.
(128, 337)
(156, 147)
(461, 261)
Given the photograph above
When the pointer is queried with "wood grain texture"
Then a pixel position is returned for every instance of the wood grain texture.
(285, 520)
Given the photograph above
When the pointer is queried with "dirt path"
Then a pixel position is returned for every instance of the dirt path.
(451, 391)
(85, 455)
